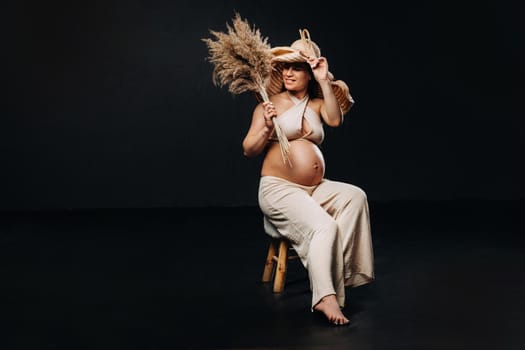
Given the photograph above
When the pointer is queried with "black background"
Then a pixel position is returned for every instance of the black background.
(111, 104)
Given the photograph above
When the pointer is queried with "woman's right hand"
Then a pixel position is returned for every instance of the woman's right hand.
(268, 113)
(260, 129)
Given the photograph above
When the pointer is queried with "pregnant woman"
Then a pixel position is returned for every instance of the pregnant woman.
(326, 221)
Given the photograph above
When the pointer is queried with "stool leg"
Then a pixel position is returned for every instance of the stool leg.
(270, 263)
(280, 272)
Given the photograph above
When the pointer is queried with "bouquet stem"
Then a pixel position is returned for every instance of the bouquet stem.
(281, 137)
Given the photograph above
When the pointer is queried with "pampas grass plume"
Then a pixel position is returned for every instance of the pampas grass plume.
(241, 58)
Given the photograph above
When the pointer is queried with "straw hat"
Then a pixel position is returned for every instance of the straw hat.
(299, 51)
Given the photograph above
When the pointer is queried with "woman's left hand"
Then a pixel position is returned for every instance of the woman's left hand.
(319, 67)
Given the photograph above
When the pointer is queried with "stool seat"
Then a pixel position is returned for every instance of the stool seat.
(277, 258)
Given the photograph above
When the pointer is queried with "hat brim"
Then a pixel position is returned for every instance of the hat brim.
(275, 85)
(287, 54)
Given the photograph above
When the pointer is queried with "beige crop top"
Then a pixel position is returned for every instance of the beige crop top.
(291, 122)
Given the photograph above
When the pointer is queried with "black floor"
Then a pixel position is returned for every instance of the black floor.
(448, 276)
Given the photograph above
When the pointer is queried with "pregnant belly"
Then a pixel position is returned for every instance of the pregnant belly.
(307, 163)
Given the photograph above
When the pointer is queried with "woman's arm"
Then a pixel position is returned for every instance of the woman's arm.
(260, 129)
(330, 109)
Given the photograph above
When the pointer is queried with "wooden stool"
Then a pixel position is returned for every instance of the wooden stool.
(277, 259)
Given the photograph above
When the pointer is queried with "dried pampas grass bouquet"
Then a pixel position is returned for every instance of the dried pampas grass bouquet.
(241, 58)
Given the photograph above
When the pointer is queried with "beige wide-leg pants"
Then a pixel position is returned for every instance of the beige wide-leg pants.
(328, 225)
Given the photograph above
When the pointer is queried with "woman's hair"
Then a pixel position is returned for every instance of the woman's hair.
(313, 86)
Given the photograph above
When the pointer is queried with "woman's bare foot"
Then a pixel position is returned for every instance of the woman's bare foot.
(329, 306)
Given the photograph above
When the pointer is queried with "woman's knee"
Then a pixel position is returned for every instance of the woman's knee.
(355, 194)
(360, 195)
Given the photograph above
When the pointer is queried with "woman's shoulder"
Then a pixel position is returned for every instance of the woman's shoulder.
(317, 100)
(316, 103)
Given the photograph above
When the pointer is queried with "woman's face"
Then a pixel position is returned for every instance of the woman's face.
(296, 76)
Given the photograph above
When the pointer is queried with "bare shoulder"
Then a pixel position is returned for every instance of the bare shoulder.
(316, 104)
(258, 108)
